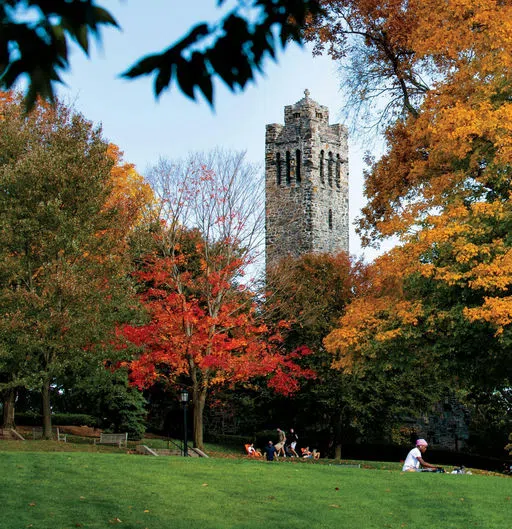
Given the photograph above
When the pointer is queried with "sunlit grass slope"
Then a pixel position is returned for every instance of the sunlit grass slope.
(97, 491)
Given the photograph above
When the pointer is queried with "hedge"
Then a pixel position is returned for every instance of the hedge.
(58, 419)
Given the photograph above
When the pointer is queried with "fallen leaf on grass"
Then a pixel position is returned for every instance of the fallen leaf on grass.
(82, 497)
(204, 485)
(115, 520)
(32, 504)
(461, 499)
(146, 510)
(334, 506)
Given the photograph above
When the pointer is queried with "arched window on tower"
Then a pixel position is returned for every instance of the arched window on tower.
(297, 166)
(330, 163)
(338, 171)
(322, 172)
(288, 168)
(330, 219)
(278, 169)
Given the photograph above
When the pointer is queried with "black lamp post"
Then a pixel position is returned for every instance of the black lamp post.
(184, 401)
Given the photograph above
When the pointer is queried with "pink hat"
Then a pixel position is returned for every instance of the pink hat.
(421, 442)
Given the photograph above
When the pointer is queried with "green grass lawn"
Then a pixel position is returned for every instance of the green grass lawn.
(65, 490)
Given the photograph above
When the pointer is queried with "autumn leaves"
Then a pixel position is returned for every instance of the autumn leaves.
(442, 187)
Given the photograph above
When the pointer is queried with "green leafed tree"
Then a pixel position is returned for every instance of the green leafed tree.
(104, 394)
(367, 400)
(35, 37)
(312, 291)
(62, 253)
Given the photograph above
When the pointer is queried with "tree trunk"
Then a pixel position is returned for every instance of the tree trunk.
(338, 428)
(9, 400)
(47, 417)
(199, 403)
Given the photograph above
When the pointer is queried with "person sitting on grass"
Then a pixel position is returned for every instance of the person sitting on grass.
(251, 451)
(270, 451)
(306, 453)
(414, 461)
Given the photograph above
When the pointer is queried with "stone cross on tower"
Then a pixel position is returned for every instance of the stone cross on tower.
(306, 183)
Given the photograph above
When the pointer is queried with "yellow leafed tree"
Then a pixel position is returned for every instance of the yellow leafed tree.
(443, 185)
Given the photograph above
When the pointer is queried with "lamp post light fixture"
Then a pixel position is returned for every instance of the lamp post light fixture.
(184, 401)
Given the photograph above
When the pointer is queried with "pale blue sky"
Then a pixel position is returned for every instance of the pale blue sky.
(146, 129)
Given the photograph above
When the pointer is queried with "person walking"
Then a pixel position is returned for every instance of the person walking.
(280, 444)
(293, 438)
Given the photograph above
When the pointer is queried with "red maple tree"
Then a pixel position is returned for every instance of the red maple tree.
(205, 329)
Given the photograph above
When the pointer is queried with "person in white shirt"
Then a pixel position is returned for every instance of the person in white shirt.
(414, 461)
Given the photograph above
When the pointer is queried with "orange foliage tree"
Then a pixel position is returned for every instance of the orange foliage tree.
(204, 330)
(443, 185)
(130, 193)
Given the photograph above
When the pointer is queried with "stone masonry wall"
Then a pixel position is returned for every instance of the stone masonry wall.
(306, 168)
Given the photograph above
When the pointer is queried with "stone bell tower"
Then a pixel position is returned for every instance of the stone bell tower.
(306, 183)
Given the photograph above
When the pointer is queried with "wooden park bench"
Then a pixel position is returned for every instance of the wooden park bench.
(119, 439)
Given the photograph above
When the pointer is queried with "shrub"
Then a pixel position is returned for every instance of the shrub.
(58, 419)
(264, 436)
(237, 441)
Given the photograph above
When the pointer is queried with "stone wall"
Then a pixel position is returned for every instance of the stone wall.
(445, 427)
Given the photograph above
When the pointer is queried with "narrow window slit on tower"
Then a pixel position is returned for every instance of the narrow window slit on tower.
(330, 219)
(338, 171)
(288, 168)
(297, 166)
(329, 169)
(278, 169)
(322, 175)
